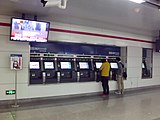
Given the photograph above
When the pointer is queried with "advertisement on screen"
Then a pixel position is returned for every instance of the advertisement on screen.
(28, 30)
(98, 65)
(48, 65)
(16, 61)
(34, 65)
(114, 65)
(83, 65)
(65, 65)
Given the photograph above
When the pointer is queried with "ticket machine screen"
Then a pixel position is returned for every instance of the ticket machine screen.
(48, 65)
(34, 65)
(143, 66)
(83, 65)
(98, 65)
(114, 65)
(65, 65)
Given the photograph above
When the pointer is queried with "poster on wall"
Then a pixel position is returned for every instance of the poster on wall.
(16, 61)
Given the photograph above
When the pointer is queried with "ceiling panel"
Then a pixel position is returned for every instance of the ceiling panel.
(120, 15)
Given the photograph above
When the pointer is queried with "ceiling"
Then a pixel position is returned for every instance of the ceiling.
(121, 15)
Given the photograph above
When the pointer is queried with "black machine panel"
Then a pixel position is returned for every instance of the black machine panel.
(85, 69)
(114, 68)
(35, 71)
(66, 69)
(97, 64)
(49, 69)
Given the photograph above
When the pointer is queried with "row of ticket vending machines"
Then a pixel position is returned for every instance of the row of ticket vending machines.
(51, 69)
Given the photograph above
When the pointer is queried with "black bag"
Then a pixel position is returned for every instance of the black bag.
(98, 78)
(124, 75)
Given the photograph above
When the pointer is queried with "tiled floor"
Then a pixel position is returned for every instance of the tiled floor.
(137, 105)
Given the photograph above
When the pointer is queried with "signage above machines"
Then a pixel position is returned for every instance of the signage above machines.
(74, 48)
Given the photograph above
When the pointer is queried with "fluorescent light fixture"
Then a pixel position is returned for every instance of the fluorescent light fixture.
(137, 1)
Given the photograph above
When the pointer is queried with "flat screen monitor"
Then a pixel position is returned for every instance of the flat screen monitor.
(48, 65)
(34, 65)
(29, 30)
(98, 65)
(114, 65)
(65, 65)
(83, 65)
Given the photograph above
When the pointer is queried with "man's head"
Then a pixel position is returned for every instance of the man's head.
(104, 60)
(118, 59)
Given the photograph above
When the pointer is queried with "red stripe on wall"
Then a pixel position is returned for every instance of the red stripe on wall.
(98, 35)
(90, 34)
(5, 24)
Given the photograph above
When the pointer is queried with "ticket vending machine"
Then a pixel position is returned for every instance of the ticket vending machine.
(113, 71)
(35, 70)
(85, 70)
(66, 70)
(145, 71)
(97, 64)
(50, 69)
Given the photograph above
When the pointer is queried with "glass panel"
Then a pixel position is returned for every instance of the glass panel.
(147, 58)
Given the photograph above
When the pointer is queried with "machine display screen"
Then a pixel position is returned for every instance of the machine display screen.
(143, 66)
(83, 65)
(98, 65)
(48, 65)
(65, 65)
(114, 65)
(34, 65)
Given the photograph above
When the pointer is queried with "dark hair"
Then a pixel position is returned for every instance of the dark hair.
(103, 60)
(118, 59)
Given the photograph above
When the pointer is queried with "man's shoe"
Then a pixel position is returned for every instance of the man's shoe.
(118, 93)
(103, 94)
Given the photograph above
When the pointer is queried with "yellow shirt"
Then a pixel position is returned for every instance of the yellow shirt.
(105, 68)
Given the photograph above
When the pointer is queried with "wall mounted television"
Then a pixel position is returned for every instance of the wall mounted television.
(29, 30)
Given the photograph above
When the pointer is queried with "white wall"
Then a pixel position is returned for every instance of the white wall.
(134, 59)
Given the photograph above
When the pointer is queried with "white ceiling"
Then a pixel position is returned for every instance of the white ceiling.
(110, 14)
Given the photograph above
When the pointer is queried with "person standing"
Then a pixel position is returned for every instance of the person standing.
(120, 76)
(105, 69)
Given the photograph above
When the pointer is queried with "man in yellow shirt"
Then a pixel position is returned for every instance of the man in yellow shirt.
(105, 70)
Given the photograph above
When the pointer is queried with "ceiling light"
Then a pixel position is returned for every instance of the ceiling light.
(137, 1)
(137, 10)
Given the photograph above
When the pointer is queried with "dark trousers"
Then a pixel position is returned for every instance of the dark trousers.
(105, 85)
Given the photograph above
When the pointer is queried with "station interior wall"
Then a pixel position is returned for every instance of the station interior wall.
(134, 62)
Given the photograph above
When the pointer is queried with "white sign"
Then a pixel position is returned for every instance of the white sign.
(16, 61)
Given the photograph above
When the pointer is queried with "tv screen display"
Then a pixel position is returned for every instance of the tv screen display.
(98, 65)
(114, 65)
(48, 65)
(29, 30)
(34, 65)
(83, 65)
(65, 65)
